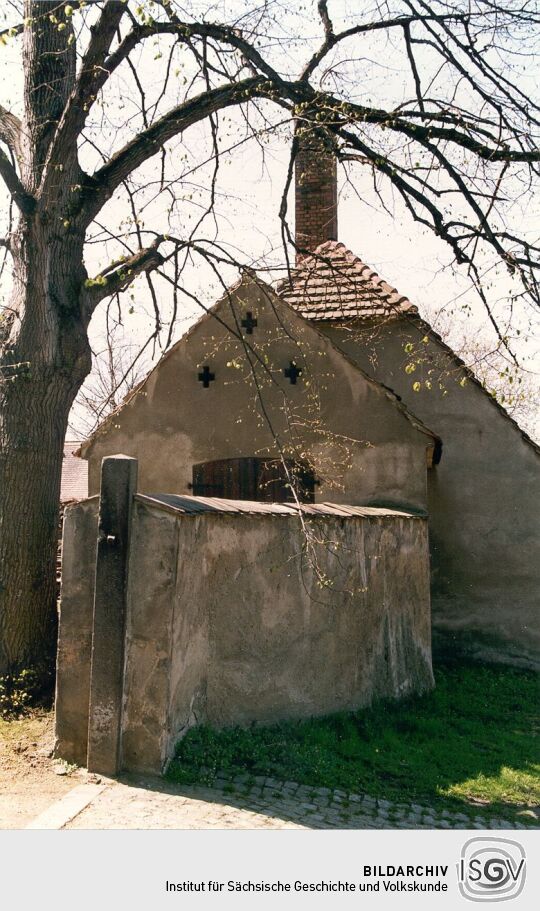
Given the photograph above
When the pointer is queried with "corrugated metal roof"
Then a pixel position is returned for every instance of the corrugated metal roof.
(74, 484)
(192, 505)
(334, 284)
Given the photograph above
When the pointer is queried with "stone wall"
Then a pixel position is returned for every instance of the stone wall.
(79, 545)
(234, 618)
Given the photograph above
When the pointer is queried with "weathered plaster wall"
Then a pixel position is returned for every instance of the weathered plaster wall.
(306, 650)
(482, 498)
(228, 625)
(79, 543)
(226, 622)
(166, 638)
(363, 447)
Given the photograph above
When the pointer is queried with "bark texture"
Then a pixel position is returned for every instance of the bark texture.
(44, 351)
(44, 360)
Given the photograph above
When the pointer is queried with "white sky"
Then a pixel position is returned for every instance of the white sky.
(406, 255)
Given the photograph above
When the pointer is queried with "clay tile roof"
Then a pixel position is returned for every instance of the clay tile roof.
(74, 484)
(334, 284)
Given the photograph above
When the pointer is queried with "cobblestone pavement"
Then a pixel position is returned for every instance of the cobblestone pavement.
(262, 803)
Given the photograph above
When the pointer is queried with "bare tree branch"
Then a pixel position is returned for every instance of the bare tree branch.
(92, 75)
(120, 274)
(24, 201)
(331, 38)
(414, 68)
(102, 184)
(10, 131)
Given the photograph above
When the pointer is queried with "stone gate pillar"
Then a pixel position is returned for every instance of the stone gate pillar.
(118, 486)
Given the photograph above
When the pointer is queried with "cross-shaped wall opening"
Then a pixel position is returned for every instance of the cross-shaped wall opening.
(249, 322)
(292, 372)
(206, 376)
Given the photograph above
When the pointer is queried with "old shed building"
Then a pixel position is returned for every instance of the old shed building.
(272, 559)
(308, 388)
(254, 392)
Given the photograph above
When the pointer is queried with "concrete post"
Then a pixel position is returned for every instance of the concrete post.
(118, 486)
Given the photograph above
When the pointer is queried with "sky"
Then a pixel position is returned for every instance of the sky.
(250, 186)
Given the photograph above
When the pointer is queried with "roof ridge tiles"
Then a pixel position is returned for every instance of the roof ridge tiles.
(334, 283)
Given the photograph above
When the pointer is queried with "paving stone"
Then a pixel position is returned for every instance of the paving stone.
(247, 801)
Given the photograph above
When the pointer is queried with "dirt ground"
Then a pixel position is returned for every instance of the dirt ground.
(30, 780)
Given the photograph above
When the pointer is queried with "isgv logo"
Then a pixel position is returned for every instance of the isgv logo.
(491, 869)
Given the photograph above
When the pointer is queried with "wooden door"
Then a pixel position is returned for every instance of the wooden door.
(253, 478)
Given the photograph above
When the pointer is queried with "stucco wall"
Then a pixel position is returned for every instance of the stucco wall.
(482, 498)
(226, 622)
(79, 542)
(232, 627)
(166, 638)
(363, 447)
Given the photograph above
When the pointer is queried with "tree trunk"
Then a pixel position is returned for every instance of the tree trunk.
(34, 420)
(44, 350)
(44, 358)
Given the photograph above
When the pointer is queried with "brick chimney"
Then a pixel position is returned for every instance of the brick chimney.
(315, 193)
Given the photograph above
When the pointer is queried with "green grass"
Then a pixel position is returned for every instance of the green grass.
(471, 740)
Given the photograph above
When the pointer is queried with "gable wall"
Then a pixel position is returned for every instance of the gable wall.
(365, 451)
(483, 499)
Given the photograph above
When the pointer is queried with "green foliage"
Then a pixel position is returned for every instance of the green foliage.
(470, 739)
(24, 689)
